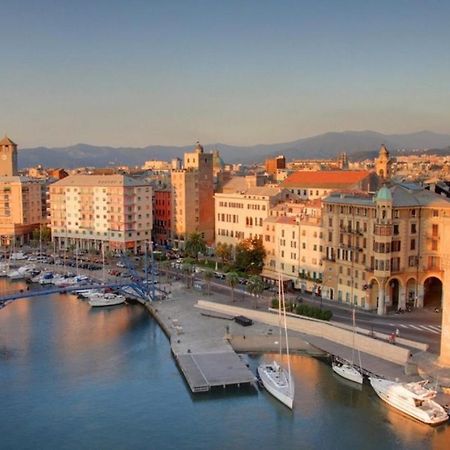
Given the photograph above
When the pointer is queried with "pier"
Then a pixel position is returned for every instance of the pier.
(203, 355)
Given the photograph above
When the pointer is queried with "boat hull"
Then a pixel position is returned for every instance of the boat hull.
(98, 301)
(348, 372)
(285, 395)
(402, 406)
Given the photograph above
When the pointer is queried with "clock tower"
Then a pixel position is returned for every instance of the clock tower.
(8, 157)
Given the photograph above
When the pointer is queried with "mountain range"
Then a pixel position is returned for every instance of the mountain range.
(357, 144)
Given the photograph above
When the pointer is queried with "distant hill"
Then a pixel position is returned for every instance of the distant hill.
(326, 145)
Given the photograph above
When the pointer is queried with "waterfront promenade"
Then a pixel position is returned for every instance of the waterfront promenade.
(205, 328)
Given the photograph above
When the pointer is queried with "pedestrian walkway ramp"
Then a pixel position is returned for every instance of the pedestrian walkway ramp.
(206, 370)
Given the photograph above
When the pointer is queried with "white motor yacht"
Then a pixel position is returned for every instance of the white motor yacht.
(107, 299)
(412, 399)
(21, 273)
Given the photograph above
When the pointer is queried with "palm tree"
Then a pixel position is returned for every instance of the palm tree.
(232, 281)
(207, 275)
(255, 287)
(194, 245)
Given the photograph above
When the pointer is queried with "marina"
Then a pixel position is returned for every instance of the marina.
(118, 359)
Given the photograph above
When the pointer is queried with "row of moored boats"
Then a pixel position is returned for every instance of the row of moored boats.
(33, 274)
(414, 399)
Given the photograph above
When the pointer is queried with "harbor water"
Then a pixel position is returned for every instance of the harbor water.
(73, 377)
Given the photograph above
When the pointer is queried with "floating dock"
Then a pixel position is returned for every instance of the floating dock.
(206, 370)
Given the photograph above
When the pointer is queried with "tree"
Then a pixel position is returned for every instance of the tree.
(223, 251)
(232, 281)
(255, 287)
(207, 275)
(250, 254)
(42, 233)
(194, 245)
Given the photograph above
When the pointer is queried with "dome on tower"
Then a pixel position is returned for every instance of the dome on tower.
(384, 195)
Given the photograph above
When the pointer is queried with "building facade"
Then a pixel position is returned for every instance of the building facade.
(101, 211)
(240, 215)
(193, 197)
(20, 209)
(162, 214)
(293, 243)
(385, 250)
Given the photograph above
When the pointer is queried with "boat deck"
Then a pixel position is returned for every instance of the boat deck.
(206, 370)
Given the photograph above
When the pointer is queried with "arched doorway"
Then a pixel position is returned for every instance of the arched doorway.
(394, 293)
(411, 289)
(432, 293)
(374, 289)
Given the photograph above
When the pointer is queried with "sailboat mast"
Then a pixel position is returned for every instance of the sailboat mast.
(353, 337)
(279, 312)
(286, 335)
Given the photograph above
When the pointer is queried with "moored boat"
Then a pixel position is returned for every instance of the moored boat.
(107, 299)
(276, 380)
(412, 399)
(348, 371)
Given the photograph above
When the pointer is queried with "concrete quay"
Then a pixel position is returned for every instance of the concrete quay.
(204, 357)
(204, 339)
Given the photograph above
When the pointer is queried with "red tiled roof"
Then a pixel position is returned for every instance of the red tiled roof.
(331, 179)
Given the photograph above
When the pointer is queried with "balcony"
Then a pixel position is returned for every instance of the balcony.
(383, 230)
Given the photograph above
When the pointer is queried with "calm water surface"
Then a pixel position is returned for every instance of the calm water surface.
(76, 378)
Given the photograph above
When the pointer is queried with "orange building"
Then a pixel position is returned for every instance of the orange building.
(193, 197)
(20, 209)
(272, 165)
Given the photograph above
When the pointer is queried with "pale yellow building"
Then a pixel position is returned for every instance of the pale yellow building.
(241, 214)
(20, 209)
(385, 250)
(91, 211)
(193, 197)
(293, 242)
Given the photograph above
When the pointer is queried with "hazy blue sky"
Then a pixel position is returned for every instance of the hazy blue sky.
(138, 72)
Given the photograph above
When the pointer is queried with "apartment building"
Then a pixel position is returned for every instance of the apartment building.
(21, 209)
(193, 197)
(95, 211)
(241, 214)
(293, 242)
(385, 250)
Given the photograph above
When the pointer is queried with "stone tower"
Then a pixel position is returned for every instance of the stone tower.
(383, 163)
(8, 157)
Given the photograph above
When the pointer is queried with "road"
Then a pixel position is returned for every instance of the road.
(422, 325)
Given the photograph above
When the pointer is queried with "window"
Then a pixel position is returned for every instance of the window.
(413, 228)
(413, 213)
(412, 244)
(396, 229)
(434, 230)
(435, 213)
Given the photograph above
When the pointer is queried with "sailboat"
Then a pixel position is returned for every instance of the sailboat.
(276, 380)
(347, 369)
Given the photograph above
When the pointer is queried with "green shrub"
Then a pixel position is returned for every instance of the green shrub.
(312, 311)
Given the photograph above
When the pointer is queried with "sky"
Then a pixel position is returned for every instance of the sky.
(141, 72)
